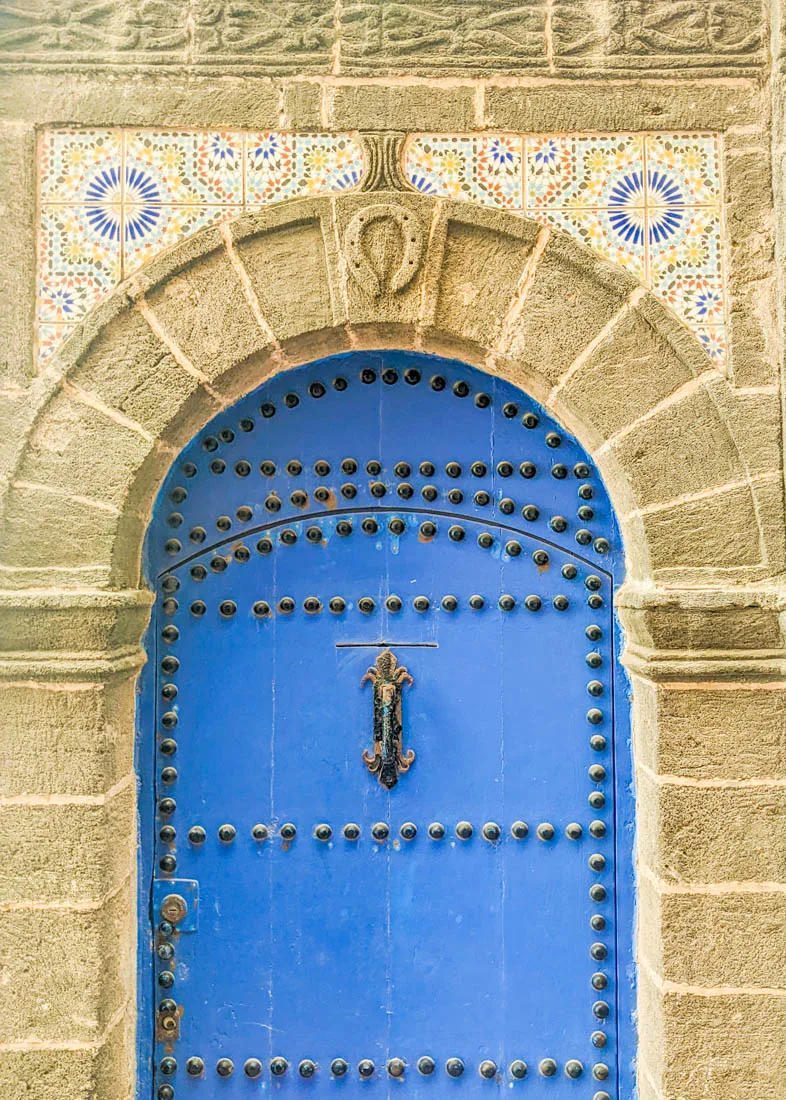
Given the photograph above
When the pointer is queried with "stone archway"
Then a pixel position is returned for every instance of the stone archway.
(700, 509)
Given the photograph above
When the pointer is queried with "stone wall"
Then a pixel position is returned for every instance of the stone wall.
(693, 458)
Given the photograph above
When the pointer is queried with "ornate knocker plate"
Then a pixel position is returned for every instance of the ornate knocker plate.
(388, 758)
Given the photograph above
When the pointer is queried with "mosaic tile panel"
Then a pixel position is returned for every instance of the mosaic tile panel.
(649, 202)
(111, 200)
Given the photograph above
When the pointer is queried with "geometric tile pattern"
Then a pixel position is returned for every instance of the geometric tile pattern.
(111, 200)
(650, 202)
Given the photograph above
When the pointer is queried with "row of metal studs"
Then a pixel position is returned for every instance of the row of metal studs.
(312, 605)
(380, 831)
(402, 470)
(396, 1067)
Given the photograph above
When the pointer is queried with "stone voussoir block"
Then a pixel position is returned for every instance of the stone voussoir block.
(66, 852)
(71, 971)
(71, 622)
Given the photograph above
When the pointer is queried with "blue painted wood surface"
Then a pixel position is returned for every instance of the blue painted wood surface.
(365, 949)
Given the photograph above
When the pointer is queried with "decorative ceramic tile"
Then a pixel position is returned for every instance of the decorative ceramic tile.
(149, 230)
(685, 262)
(282, 166)
(50, 337)
(683, 167)
(203, 168)
(566, 170)
(76, 164)
(78, 259)
(485, 169)
(714, 340)
(620, 240)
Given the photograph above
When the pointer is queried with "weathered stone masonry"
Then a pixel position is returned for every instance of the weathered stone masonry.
(693, 459)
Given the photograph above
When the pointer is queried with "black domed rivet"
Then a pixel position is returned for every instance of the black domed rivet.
(507, 506)
(427, 469)
(482, 498)
(477, 603)
(598, 1039)
(393, 603)
(593, 583)
(506, 602)
(396, 1067)
(545, 831)
(449, 603)
(288, 536)
(169, 775)
(454, 1067)
(286, 605)
(225, 1067)
(337, 605)
(594, 716)
(339, 1067)
(464, 830)
(316, 389)
(287, 831)
(188, 469)
(169, 720)
(426, 1065)
(227, 833)
(366, 1068)
(369, 526)
(380, 831)
(344, 528)
(412, 376)
(595, 688)
(559, 471)
(396, 526)
(349, 466)
(581, 470)
(168, 747)
(573, 831)
(510, 410)
(261, 609)
(573, 1068)
(197, 835)
(197, 535)
(482, 400)
(569, 572)
(552, 439)
(252, 1067)
(519, 830)
(438, 383)
(169, 692)
(217, 466)
(170, 584)
(377, 488)
(528, 469)
(597, 862)
(436, 830)
(530, 513)
(170, 664)
(312, 605)
(597, 799)
(599, 952)
(366, 605)
(487, 1069)
(298, 499)
(167, 806)
(597, 773)
(600, 1071)
(456, 533)
(260, 832)
(594, 633)
(244, 513)
(601, 546)
(601, 1010)
(599, 982)
(485, 540)
(518, 1069)
(278, 1066)
(530, 420)
(168, 864)
(294, 468)
(601, 1096)
(351, 831)
(349, 491)
(198, 608)
(168, 1066)
(373, 468)
(533, 603)
(558, 524)
(597, 828)
(598, 923)
(242, 554)
(429, 493)
(169, 606)
(307, 1068)
(560, 603)
(165, 1092)
(421, 603)
(513, 548)
(170, 634)
(595, 601)
(478, 469)
(585, 513)
(461, 388)
(195, 1067)
(405, 490)
(314, 534)
(453, 469)
(408, 830)
(547, 1067)
(198, 572)
(367, 376)
(264, 546)
(597, 742)
(323, 832)
(505, 469)
(166, 979)
(455, 496)
(491, 832)
(178, 494)
(540, 558)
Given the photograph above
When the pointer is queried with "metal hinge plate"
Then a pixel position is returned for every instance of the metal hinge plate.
(166, 892)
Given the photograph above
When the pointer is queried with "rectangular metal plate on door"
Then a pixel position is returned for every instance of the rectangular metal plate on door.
(176, 901)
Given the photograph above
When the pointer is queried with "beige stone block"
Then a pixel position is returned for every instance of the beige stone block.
(56, 852)
(65, 738)
(754, 424)
(683, 449)
(572, 297)
(83, 452)
(70, 622)
(617, 384)
(702, 619)
(128, 368)
(51, 530)
(302, 106)
(204, 310)
(88, 1072)
(705, 732)
(721, 1048)
(769, 496)
(287, 266)
(691, 834)
(70, 971)
(17, 250)
(401, 106)
(716, 532)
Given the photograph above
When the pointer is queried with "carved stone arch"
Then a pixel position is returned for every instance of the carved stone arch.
(209, 321)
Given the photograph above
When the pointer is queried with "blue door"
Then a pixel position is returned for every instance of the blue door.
(389, 847)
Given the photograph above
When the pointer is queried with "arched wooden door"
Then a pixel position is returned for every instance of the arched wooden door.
(389, 848)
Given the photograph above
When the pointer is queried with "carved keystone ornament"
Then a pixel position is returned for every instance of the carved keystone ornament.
(392, 261)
